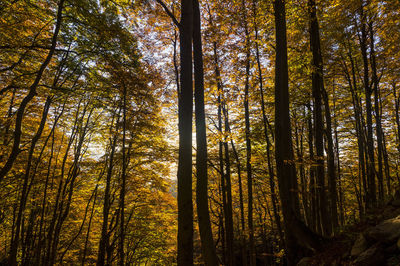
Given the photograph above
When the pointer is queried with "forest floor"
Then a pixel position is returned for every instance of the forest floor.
(375, 241)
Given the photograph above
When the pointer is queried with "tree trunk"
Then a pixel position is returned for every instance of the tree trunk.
(242, 217)
(104, 240)
(31, 94)
(360, 132)
(296, 233)
(378, 131)
(248, 142)
(121, 254)
(371, 192)
(25, 186)
(266, 133)
(228, 188)
(185, 110)
(317, 88)
(314, 217)
(207, 243)
(221, 161)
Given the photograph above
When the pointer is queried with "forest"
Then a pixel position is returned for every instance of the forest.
(166, 132)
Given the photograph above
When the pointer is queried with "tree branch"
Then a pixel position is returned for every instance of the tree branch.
(169, 13)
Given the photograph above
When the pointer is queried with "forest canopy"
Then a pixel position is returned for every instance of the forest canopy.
(164, 132)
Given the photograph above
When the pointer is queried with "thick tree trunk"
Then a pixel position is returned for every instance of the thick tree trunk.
(296, 233)
(185, 110)
(207, 243)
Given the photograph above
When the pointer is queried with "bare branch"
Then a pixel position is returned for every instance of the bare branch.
(169, 13)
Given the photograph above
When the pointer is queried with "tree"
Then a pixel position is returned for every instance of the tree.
(207, 243)
(296, 233)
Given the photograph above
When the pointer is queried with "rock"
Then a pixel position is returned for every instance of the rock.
(398, 243)
(359, 246)
(306, 261)
(390, 212)
(371, 257)
(387, 231)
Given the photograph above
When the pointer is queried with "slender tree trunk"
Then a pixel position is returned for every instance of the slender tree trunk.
(229, 214)
(9, 115)
(359, 126)
(223, 187)
(315, 218)
(317, 91)
(105, 236)
(31, 94)
(341, 199)
(396, 112)
(242, 217)
(371, 192)
(68, 246)
(70, 181)
(248, 142)
(266, 133)
(332, 179)
(385, 154)
(299, 158)
(25, 186)
(59, 196)
(121, 252)
(41, 241)
(89, 227)
(379, 131)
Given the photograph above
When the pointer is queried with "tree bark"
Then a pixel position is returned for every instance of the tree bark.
(248, 142)
(378, 129)
(317, 88)
(105, 237)
(296, 233)
(121, 252)
(185, 110)
(371, 192)
(207, 243)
